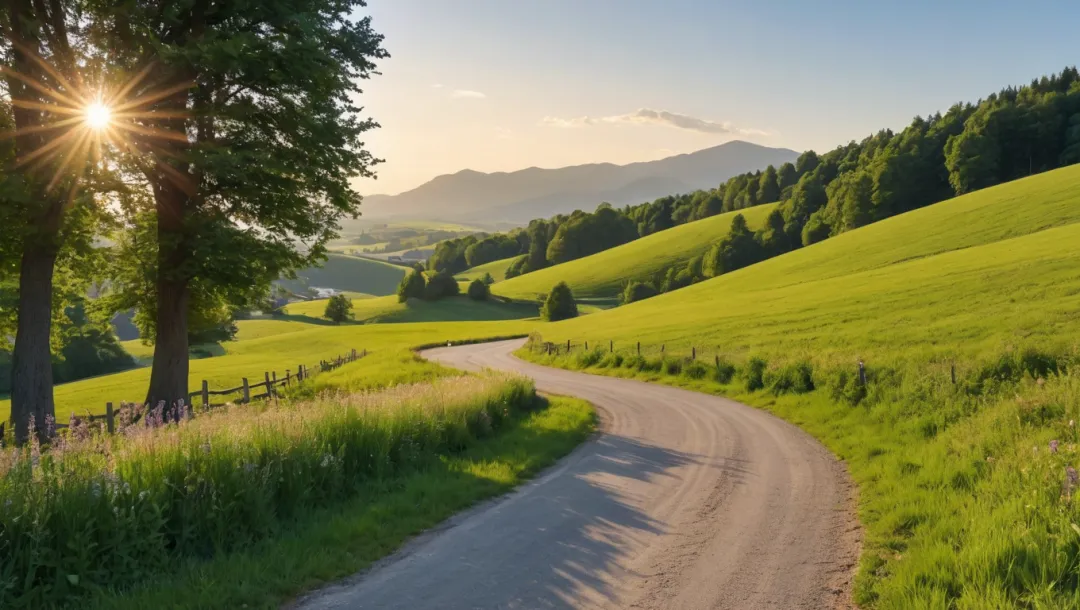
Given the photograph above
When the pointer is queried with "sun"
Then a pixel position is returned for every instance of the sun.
(97, 115)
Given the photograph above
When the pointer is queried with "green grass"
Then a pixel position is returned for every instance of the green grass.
(350, 273)
(388, 309)
(497, 269)
(962, 502)
(333, 543)
(604, 274)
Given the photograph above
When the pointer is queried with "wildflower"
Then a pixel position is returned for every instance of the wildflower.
(50, 426)
(1053, 446)
(1073, 476)
(990, 459)
(206, 446)
(95, 490)
(143, 495)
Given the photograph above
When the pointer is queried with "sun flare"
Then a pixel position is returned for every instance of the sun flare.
(98, 115)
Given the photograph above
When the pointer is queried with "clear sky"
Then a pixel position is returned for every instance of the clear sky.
(500, 85)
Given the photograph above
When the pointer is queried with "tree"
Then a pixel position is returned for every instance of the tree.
(637, 291)
(248, 137)
(559, 304)
(735, 250)
(411, 286)
(49, 219)
(487, 279)
(806, 163)
(787, 176)
(816, 229)
(1071, 153)
(478, 290)
(338, 309)
(768, 186)
(441, 284)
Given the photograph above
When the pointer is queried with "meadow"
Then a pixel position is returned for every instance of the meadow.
(350, 273)
(497, 269)
(96, 516)
(604, 274)
(966, 488)
(389, 310)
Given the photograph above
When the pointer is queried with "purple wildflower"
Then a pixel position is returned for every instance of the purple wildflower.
(50, 426)
(1072, 475)
(1053, 446)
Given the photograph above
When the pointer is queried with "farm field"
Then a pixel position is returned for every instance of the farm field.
(961, 489)
(603, 275)
(349, 273)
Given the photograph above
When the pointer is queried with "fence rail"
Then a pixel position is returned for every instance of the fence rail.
(270, 384)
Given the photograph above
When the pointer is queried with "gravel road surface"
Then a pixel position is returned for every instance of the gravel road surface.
(684, 500)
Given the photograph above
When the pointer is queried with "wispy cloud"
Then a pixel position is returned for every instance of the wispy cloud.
(648, 116)
(467, 94)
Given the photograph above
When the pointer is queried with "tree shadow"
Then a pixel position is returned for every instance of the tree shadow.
(561, 541)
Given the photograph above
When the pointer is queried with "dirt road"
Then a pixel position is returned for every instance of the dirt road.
(684, 501)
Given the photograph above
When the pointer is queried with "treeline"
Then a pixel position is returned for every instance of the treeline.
(1011, 134)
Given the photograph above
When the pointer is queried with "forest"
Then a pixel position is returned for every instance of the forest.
(1016, 132)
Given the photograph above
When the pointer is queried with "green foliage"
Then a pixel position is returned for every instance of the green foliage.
(441, 284)
(487, 279)
(584, 234)
(792, 378)
(449, 255)
(637, 291)
(559, 304)
(724, 371)
(493, 248)
(478, 290)
(735, 250)
(411, 286)
(754, 375)
(338, 309)
(816, 229)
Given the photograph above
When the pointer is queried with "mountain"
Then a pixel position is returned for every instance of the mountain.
(534, 192)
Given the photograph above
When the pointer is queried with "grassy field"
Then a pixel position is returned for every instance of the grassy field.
(388, 309)
(350, 273)
(604, 274)
(497, 269)
(965, 501)
(276, 345)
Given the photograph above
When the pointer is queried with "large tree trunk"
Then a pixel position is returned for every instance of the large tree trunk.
(32, 380)
(169, 377)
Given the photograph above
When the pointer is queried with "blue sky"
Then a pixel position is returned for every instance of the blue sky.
(499, 85)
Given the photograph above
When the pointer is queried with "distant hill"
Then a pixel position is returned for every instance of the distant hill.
(350, 273)
(520, 196)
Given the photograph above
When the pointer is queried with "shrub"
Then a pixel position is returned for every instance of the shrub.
(611, 360)
(637, 291)
(487, 279)
(559, 304)
(411, 286)
(586, 358)
(478, 290)
(724, 371)
(440, 285)
(796, 378)
(671, 366)
(754, 374)
(696, 370)
(635, 362)
(338, 308)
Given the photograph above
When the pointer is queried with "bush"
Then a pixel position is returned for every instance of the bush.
(559, 305)
(755, 371)
(671, 366)
(725, 371)
(797, 378)
(487, 279)
(637, 291)
(478, 290)
(634, 362)
(440, 285)
(696, 370)
(411, 286)
(338, 308)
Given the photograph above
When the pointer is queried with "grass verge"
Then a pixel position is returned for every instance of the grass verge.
(966, 490)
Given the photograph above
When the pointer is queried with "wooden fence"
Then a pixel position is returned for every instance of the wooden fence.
(246, 392)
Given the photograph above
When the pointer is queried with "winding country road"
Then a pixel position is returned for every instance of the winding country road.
(683, 501)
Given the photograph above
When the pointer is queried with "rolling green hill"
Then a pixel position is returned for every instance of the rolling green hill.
(497, 269)
(966, 316)
(603, 274)
(350, 273)
(388, 309)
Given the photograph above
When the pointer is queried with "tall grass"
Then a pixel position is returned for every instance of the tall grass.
(110, 512)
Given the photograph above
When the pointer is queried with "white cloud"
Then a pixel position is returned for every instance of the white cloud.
(648, 116)
(466, 94)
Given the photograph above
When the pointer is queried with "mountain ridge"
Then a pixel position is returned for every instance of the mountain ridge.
(521, 195)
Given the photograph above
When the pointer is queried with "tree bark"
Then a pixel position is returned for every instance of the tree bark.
(32, 379)
(169, 376)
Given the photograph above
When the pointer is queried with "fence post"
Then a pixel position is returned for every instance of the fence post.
(693, 353)
(953, 371)
(205, 394)
(862, 373)
(567, 346)
(586, 346)
(610, 346)
(110, 421)
(299, 373)
(247, 391)
(661, 348)
(288, 376)
(269, 386)
(639, 348)
(717, 358)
